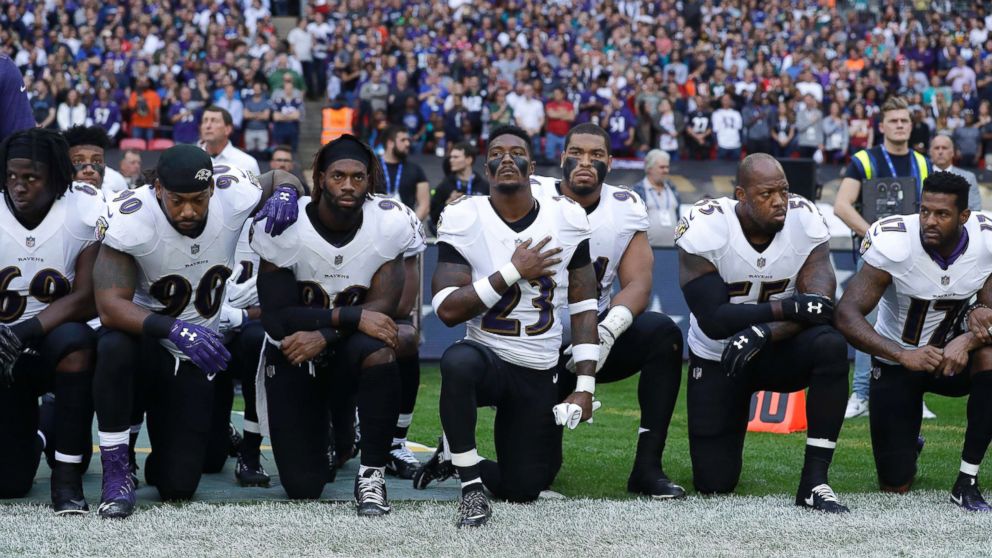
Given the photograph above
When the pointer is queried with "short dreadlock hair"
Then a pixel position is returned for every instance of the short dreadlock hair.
(60, 171)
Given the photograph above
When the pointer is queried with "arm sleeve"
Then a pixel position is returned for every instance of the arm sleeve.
(282, 314)
(709, 301)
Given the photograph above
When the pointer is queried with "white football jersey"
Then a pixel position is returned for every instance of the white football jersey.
(921, 305)
(522, 328)
(619, 215)
(420, 245)
(329, 276)
(38, 266)
(712, 231)
(181, 276)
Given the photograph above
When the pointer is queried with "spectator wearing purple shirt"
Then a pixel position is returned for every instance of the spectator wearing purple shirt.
(105, 113)
(185, 119)
(17, 114)
(620, 124)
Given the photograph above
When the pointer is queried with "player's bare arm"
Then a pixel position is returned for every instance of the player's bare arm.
(979, 317)
(78, 305)
(847, 195)
(582, 286)
(464, 303)
(411, 285)
(861, 296)
(635, 275)
(115, 276)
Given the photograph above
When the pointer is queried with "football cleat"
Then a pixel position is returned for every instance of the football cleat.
(820, 498)
(402, 463)
(927, 413)
(967, 496)
(370, 494)
(249, 471)
(67, 490)
(473, 509)
(657, 486)
(236, 440)
(920, 442)
(117, 499)
(437, 468)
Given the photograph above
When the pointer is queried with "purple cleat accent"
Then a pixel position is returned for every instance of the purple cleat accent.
(967, 496)
(117, 500)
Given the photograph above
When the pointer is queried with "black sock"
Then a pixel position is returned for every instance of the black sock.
(378, 407)
(815, 466)
(978, 434)
(251, 442)
(650, 446)
(409, 367)
(73, 412)
(471, 478)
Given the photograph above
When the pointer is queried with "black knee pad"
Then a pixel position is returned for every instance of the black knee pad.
(112, 346)
(895, 469)
(66, 339)
(461, 360)
(359, 346)
(309, 487)
(828, 348)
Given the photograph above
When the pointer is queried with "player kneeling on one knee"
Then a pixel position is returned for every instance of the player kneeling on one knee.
(46, 265)
(922, 271)
(327, 287)
(160, 275)
(756, 274)
(504, 264)
(630, 339)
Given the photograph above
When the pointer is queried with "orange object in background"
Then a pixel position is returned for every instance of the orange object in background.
(780, 413)
(335, 122)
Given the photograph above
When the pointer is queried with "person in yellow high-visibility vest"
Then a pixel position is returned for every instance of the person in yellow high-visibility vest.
(892, 158)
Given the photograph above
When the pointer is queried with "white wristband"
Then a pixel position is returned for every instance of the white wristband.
(510, 274)
(585, 351)
(617, 320)
(583, 306)
(487, 294)
(585, 383)
(438, 299)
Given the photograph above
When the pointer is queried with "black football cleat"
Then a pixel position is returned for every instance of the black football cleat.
(236, 440)
(656, 485)
(820, 498)
(249, 471)
(967, 496)
(473, 509)
(67, 490)
(402, 463)
(437, 468)
(370, 494)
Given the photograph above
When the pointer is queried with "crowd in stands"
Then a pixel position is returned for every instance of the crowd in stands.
(697, 79)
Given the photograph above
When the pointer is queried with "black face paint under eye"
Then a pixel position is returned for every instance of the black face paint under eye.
(571, 163)
(523, 165)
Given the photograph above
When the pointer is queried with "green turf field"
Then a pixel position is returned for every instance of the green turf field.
(598, 456)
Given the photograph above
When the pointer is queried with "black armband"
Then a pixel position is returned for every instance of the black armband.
(349, 317)
(580, 257)
(446, 253)
(28, 330)
(718, 318)
(157, 326)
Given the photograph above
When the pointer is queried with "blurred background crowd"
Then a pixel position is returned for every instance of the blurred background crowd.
(696, 79)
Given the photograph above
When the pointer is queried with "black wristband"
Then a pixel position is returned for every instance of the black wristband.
(157, 326)
(28, 330)
(330, 335)
(349, 317)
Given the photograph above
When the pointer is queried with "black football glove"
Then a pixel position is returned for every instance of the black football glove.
(10, 349)
(743, 346)
(808, 308)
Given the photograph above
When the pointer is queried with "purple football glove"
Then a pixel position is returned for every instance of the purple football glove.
(204, 346)
(280, 210)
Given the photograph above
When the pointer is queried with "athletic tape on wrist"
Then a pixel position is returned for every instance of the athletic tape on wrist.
(438, 299)
(487, 294)
(583, 306)
(585, 383)
(617, 320)
(585, 351)
(509, 273)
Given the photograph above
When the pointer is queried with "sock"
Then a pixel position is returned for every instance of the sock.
(409, 367)
(471, 480)
(110, 439)
(968, 473)
(73, 416)
(132, 441)
(378, 402)
(978, 433)
(819, 453)
(650, 446)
